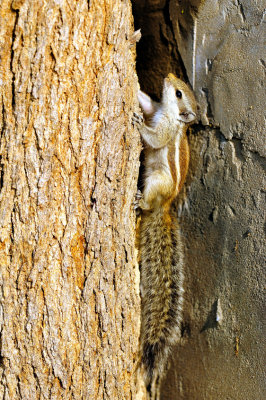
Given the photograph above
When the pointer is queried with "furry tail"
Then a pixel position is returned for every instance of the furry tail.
(161, 272)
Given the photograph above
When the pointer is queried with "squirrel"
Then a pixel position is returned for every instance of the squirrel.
(166, 159)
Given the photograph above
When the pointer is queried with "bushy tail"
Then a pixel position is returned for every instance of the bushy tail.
(161, 257)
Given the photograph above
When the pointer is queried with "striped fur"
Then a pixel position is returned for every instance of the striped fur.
(162, 289)
(166, 158)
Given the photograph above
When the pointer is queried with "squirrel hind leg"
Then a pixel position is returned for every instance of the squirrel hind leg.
(156, 189)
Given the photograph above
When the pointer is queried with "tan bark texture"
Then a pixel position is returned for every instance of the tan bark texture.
(69, 316)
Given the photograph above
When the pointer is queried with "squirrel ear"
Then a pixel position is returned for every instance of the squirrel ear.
(145, 103)
(167, 83)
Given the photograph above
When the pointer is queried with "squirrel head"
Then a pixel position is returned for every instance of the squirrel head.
(179, 98)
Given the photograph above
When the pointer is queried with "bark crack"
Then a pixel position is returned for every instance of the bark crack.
(12, 53)
(1, 135)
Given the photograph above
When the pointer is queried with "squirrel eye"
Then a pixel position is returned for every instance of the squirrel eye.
(178, 94)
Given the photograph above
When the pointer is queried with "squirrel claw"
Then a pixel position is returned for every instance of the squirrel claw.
(139, 195)
(137, 200)
(137, 119)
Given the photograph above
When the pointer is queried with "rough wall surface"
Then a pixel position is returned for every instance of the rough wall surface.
(221, 351)
(69, 309)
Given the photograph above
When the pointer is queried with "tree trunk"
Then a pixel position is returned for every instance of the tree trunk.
(69, 315)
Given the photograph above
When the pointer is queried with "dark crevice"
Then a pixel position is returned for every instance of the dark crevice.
(157, 53)
(12, 234)
(1, 175)
(241, 8)
(1, 135)
(157, 50)
(38, 385)
(3, 120)
(209, 110)
(12, 59)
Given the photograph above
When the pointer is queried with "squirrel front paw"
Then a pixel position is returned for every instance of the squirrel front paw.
(137, 119)
(138, 199)
(137, 202)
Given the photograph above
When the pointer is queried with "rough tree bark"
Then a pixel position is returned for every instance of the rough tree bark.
(69, 316)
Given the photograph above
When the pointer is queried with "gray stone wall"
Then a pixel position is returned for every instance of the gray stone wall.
(219, 49)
